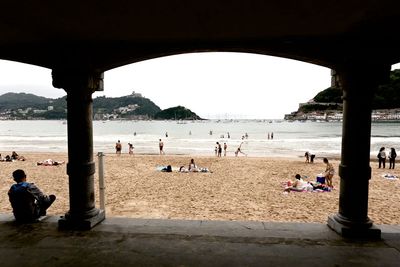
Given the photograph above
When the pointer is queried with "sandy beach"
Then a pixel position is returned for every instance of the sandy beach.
(242, 188)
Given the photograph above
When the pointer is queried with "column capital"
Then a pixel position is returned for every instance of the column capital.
(68, 79)
(362, 71)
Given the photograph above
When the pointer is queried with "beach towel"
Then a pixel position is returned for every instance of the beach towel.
(315, 187)
(176, 169)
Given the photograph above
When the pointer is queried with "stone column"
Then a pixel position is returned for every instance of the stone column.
(80, 168)
(358, 82)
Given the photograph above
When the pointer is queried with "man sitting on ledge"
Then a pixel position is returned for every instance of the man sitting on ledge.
(27, 201)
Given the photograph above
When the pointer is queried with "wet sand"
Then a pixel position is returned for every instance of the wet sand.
(238, 188)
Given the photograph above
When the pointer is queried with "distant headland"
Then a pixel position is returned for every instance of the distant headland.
(327, 104)
(22, 106)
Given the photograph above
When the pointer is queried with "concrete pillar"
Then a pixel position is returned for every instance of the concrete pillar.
(358, 82)
(80, 168)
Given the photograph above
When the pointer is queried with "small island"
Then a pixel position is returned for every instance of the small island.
(177, 113)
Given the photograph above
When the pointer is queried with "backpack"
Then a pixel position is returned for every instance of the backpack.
(25, 205)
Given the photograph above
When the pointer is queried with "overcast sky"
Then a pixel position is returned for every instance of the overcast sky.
(213, 85)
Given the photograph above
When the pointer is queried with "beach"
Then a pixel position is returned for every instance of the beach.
(237, 188)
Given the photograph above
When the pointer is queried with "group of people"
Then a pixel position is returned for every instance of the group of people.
(309, 157)
(382, 157)
(326, 185)
(118, 148)
(14, 156)
(191, 168)
(218, 149)
(49, 162)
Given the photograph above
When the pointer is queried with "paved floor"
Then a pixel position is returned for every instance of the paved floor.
(140, 242)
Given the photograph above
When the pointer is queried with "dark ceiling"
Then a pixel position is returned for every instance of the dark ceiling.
(100, 35)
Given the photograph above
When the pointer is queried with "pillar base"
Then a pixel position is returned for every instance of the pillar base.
(81, 224)
(365, 231)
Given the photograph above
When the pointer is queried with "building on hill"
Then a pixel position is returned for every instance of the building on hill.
(134, 94)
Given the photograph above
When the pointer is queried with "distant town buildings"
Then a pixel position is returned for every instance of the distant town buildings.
(377, 115)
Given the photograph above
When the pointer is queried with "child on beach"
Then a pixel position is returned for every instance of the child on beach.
(130, 147)
(239, 150)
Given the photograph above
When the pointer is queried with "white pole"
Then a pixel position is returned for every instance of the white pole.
(101, 180)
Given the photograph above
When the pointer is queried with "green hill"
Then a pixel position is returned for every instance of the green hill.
(22, 101)
(177, 113)
(387, 96)
(29, 106)
(139, 106)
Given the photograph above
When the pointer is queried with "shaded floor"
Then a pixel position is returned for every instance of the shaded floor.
(140, 242)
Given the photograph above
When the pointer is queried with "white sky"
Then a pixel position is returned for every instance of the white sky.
(213, 85)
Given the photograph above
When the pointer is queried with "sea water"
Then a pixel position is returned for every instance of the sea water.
(196, 137)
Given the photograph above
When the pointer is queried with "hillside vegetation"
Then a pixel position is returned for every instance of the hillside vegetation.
(387, 96)
(177, 113)
(29, 106)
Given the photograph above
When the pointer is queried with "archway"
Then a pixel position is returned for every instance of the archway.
(79, 78)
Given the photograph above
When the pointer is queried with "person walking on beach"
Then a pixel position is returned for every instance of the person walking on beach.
(382, 157)
(27, 201)
(225, 147)
(329, 172)
(161, 147)
(392, 158)
(307, 156)
(118, 148)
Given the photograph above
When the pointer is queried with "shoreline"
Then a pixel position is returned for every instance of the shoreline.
(238, 188)
(334, 157)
